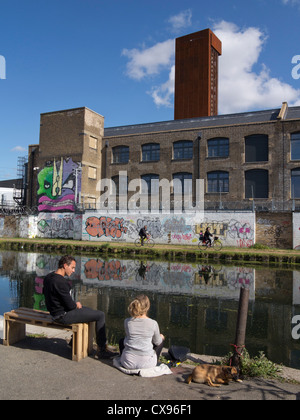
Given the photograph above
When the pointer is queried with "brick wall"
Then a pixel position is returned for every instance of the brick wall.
(274, 229)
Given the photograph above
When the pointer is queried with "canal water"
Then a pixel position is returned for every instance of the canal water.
(196, 305)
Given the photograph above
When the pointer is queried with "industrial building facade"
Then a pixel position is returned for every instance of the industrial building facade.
(244, 159)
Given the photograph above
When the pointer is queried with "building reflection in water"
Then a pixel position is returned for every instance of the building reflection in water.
(196, 305)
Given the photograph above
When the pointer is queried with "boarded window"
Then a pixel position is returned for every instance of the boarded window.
(93, 142)
(92, 172)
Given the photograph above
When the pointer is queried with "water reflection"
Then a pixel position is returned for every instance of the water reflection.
(196, 305)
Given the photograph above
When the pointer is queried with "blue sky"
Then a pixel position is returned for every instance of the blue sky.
(117, 58)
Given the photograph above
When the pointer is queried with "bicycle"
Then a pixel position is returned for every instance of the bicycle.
(147, 242)
(216, 244)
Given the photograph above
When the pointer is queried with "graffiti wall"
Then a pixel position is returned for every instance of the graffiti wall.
(58, 184)
(234, 229)
(59, 225)
(296, 230)
(172, 278)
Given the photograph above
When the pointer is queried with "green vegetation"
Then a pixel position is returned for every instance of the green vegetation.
(258, 254)
(258, 366)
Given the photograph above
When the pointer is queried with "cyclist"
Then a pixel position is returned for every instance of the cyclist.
(143, 234)
(207, 235)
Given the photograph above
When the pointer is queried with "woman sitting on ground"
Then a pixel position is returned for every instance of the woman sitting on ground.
(141, 347)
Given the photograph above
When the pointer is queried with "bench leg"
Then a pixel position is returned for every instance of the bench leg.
(77, 353)
(83, 335)
(13, 332)
(91, 331)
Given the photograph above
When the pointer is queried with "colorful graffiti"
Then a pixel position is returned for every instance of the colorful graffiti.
(104, 270)
(107, 226)
(57, 184)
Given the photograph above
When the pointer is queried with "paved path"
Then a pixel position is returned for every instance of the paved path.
(41, 368)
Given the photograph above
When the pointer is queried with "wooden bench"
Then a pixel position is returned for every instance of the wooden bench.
(15, 330)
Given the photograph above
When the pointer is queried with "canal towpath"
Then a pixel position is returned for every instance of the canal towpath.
(40, 368)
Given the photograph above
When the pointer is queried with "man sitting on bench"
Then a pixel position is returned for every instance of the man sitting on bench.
(65, 311)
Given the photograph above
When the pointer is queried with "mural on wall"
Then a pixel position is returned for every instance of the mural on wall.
(171, 229)
(105, 226)
(57, 186)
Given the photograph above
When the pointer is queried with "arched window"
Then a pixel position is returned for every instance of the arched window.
(218, 181)
(218, 147)
(186, 182)
(120, 184)
(150, 152)
(182, 149)
(120, 154)
(152, 181)
(257, 148)
(257, 183)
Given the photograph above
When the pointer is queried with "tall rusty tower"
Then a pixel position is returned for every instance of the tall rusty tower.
(196, 75)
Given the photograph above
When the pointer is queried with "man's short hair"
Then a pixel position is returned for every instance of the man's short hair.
(66, 259)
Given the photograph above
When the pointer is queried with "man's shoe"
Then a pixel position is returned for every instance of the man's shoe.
(104, 353)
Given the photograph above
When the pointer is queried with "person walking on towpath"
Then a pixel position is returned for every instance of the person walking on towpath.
(64, 310)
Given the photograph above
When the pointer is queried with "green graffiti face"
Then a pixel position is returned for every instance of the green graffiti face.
(45, 180)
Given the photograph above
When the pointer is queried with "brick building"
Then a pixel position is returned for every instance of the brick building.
(241, 158)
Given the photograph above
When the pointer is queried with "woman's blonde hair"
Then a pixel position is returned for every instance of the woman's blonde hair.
(139, 306)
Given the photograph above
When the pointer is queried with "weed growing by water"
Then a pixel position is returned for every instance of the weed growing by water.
(258, 366)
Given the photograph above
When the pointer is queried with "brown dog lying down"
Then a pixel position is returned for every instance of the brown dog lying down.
(213, 375)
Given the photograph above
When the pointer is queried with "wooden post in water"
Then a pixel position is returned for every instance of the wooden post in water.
(241, 326)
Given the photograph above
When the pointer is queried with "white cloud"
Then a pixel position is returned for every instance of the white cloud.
(180, 21)
(292, 2)
(149, 61)
(18, 149)
(163, 95)
(241, 88)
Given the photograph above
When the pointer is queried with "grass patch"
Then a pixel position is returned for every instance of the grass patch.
(259, 246)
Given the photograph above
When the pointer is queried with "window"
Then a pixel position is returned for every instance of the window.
(90, 203)
(150, 152)
(295, 146)
(93, 142)
(152, 181)
(183, 149)
(217, 182)
(218, 147)
(256, 148)
(121, 184)
(186, 182)
(257, 183)
(92, 174)
(120, 154)
(295, 183)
